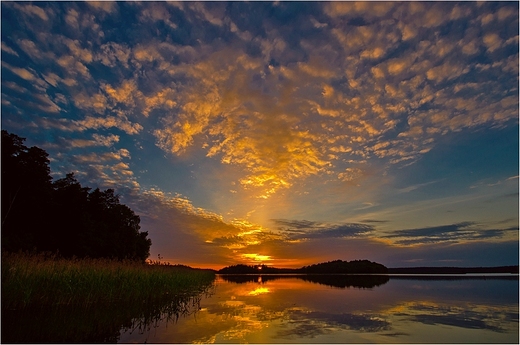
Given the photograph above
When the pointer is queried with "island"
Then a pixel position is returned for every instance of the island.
(329, 267)
(364, 267)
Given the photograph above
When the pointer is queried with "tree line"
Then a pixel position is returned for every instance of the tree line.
(340, 266)
(39, 214)
(330, 267)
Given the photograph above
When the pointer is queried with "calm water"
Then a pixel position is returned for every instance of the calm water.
(344, 309)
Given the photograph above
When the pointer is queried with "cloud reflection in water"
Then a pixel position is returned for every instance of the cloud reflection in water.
(280, 309)
(313, 323)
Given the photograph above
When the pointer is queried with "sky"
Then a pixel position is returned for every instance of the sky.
(281, 133)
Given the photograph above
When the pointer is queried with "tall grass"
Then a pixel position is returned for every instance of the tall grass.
(46, 281)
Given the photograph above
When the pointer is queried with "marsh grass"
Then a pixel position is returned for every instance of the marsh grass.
(46, 299)
(47, 281)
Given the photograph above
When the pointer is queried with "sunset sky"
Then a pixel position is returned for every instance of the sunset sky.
(281, 133)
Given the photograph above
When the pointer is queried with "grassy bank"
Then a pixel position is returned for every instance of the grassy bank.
(46, 281)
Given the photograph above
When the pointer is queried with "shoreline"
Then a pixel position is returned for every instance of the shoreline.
(377, 274)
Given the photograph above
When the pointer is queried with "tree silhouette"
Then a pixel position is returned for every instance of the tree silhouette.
(117, 231)
(62, 216)
(348, 267)
(71, 220)
(26, 192)
(330, 267)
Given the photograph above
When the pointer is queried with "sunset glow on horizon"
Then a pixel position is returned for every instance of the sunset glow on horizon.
(284, 133)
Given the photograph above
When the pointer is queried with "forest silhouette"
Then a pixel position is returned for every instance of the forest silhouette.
(363, 267)
(329, 267)
(63, 217)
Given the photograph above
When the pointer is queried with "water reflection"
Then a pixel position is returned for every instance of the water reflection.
(339, 280)
(259, 291)
(295, 309)
(314, 323)
(347, 281)
(369, 309)
(180, 306)
(94, 324)
(456, 316)
(455, 277)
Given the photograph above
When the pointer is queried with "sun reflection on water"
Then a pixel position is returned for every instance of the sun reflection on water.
(259, 291)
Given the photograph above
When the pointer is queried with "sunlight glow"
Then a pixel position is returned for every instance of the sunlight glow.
(259, 291)
(257, 257)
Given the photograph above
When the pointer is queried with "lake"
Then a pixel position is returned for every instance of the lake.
(343, 309)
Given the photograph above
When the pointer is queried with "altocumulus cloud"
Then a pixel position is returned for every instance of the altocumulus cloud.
(349, 82)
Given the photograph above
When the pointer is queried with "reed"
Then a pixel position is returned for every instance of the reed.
(46, 281)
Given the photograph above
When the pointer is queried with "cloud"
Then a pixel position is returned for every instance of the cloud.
(229, 107)
(103, 5)
(374, 221)
(96, 162)
(31, 49)
(100, 157)
(98, 140)
(21, 72)
(107, 140)
(7, 49)
(73, 66)
(189, 233)
(71, 18)
(376, 81)
(123, 94)
(77, 51)
(452, 233)
(33, 11)
(113, 54)
(417, 186)
(354, 9)
(45, 104)
(455, 316)
(247, 236)
(155, 12)
(311, 323)
(213, 15)
(303, 229)
(492, 41)
(350, 174)
(91, 122)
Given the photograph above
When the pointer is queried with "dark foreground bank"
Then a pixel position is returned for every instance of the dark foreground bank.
(92, 296)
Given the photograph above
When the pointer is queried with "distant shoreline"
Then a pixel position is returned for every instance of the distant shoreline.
(396, 271)
(396, 275)
(454, 270)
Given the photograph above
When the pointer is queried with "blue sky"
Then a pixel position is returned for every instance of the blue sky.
(286, 133)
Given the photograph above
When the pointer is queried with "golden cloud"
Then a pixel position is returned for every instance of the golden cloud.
(276, 144)
(282, 122)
